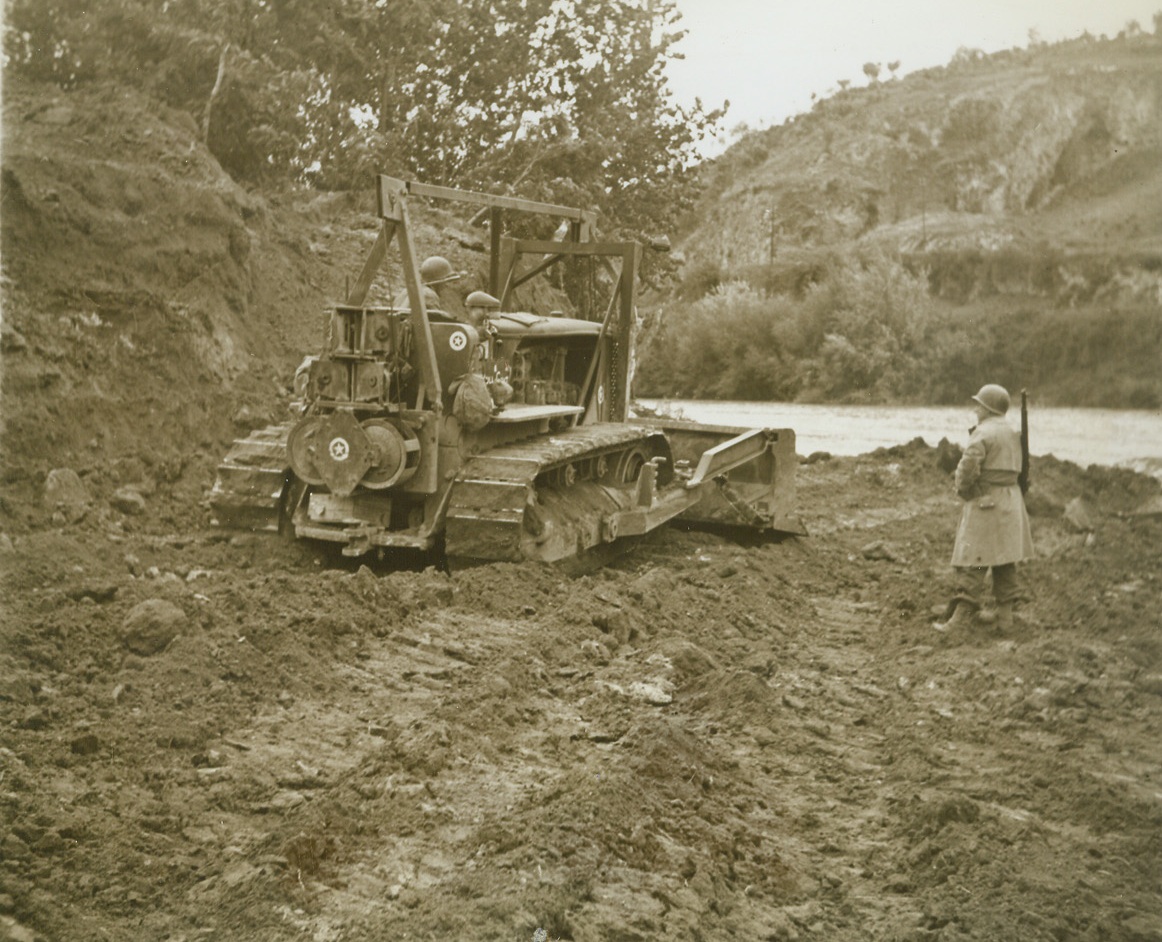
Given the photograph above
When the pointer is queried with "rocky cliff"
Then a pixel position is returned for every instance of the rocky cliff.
(1032, 172)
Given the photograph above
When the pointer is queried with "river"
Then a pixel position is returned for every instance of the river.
(1122, 438)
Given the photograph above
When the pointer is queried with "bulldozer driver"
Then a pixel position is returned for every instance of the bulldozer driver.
(437, 277)
(481, 306)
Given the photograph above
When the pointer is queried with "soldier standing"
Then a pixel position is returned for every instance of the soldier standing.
(994, 524)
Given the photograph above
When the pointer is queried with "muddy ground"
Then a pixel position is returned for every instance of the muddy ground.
(217, 736)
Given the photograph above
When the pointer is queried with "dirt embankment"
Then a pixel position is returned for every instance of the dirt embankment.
(153, 309)
(207, 736)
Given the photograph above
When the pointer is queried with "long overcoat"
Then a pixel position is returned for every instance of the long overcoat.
(994, 524)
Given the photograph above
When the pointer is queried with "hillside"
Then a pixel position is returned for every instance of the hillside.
(1015, 185)
(152, 306)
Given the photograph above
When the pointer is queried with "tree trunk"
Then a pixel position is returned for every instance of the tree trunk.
(214, 93)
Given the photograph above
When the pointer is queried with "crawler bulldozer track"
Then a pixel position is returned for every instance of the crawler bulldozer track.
(248, 489)
(549, 498)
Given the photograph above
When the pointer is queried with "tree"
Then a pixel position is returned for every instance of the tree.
(872, 71)
(566, 99)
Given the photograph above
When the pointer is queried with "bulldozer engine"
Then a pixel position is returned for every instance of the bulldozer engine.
(538, 377)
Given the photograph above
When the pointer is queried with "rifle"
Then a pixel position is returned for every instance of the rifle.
(1023, 477)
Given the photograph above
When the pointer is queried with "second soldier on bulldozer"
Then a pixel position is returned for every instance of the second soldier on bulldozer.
(494, 367)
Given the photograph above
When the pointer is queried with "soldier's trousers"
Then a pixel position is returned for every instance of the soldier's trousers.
(971, 583)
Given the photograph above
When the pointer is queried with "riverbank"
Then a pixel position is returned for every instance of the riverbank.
(224, 738)
(1111, 437)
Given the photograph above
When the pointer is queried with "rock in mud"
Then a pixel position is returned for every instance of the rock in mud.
(1080, 515)
(595, 651)
(959, 809)
(151, 626)
(65, 493)
(94, 592)
(689, 660)
(881, 550)
(653, 692)
(948, 456)
(650, 589)
(128, 501)
(85, 745)
(618, 624)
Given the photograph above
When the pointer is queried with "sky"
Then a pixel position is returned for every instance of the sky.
(768, 56)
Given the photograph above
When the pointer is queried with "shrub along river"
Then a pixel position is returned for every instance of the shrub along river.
(1123, 438)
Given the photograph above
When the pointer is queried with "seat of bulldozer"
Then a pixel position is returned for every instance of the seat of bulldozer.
(518, 322)
(526, 413)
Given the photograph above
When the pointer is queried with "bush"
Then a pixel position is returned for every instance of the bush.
(853, 333)
(699, 279)
(1078, 357)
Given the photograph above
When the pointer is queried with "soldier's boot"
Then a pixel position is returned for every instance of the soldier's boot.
(1004, 619)
(962, 616)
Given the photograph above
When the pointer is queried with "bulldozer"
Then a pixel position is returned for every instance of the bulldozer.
(506, 437)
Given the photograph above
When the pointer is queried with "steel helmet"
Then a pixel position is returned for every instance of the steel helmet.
(994, 398)
(481, 299)
(436, 270)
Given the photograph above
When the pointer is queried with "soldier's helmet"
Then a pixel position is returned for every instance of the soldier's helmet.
(437, 270)
(481, 299)
(994, 398)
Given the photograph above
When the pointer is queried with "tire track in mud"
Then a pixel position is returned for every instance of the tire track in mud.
(419, 776)
(841, 765)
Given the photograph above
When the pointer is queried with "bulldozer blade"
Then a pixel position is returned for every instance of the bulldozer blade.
(745, 477)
